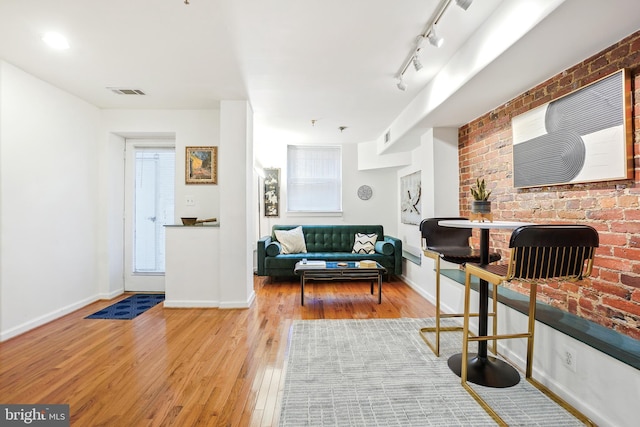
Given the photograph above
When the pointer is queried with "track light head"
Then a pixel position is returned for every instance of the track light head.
(464, 4)
(433, 37)
(416, 63)
(402, 85)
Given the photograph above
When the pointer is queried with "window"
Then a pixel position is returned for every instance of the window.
(314, 178)
(153, 206)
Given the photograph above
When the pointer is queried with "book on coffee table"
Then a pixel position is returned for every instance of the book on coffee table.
(367, 264)
(313, 263)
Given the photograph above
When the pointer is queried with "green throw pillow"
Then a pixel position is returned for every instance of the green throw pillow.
(273, 249)
(385, 248)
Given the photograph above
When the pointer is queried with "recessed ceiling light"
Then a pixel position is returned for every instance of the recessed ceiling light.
(56, 41)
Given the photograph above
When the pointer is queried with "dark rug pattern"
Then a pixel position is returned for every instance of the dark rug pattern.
(128, 308)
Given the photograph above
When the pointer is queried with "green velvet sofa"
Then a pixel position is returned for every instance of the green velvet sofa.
(328, 243)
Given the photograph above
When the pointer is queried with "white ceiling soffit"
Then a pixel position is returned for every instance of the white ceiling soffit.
(559, 39)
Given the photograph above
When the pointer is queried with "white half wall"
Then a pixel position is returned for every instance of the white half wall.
(192, 277)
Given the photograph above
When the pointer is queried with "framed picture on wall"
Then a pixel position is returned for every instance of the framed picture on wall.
(272, 192)
(410, 198)
(584, 136)
(201, 165)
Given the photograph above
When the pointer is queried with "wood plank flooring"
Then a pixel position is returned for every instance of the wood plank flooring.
(182, 367)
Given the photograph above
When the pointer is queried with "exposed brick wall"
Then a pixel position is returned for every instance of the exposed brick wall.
(611, 297)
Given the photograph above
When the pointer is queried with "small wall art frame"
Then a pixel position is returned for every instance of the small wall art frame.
(410, 198)
(271, 192)
(201, 165)
(584, 136)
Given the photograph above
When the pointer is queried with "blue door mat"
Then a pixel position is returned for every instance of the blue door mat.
(128, 308)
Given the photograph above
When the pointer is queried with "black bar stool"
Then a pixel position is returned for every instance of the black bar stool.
(539, 253)
(452, 245)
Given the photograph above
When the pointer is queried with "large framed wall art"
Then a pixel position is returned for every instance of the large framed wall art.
(583, 136)
(410, 198)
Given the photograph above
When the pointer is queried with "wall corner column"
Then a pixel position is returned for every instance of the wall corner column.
(237, 216)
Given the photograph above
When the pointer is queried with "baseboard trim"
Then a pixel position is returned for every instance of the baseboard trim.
(210, 304)
(46, 318)
(190, 304)
(111, 295)
(239, 304)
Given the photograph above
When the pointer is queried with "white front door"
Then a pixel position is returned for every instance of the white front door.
(149, 206)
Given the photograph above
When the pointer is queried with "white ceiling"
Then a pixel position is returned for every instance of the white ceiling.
(333, 61)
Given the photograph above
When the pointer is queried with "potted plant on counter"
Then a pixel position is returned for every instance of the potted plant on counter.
(481, 206)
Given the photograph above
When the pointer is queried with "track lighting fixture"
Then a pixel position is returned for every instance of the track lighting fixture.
(430, 34)
(433, 37)
(464, 4)
(416, 62)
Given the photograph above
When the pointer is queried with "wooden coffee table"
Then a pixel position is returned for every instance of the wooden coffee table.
(338, 270)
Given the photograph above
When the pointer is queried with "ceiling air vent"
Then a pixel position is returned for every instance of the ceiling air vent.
(126, 91)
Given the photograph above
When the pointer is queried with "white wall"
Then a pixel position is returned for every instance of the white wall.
(188, 128)
(61, 195)
(379, 209)
(111, 203)
(49, 167)
(437, 159)
(237, 205)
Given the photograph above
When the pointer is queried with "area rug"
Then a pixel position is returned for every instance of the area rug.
(128, 308)
(379, 372)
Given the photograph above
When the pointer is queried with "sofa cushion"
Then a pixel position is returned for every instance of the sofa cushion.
(384, 248)
(364, 243)
(273, 249)
(291, 241)
(331, 238)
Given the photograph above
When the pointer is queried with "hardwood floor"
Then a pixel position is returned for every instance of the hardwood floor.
(182, 367)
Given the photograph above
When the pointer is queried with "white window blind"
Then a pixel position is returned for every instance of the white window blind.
(314, 178)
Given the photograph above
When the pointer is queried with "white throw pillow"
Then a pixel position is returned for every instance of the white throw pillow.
(365, 243)
(292, 241)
